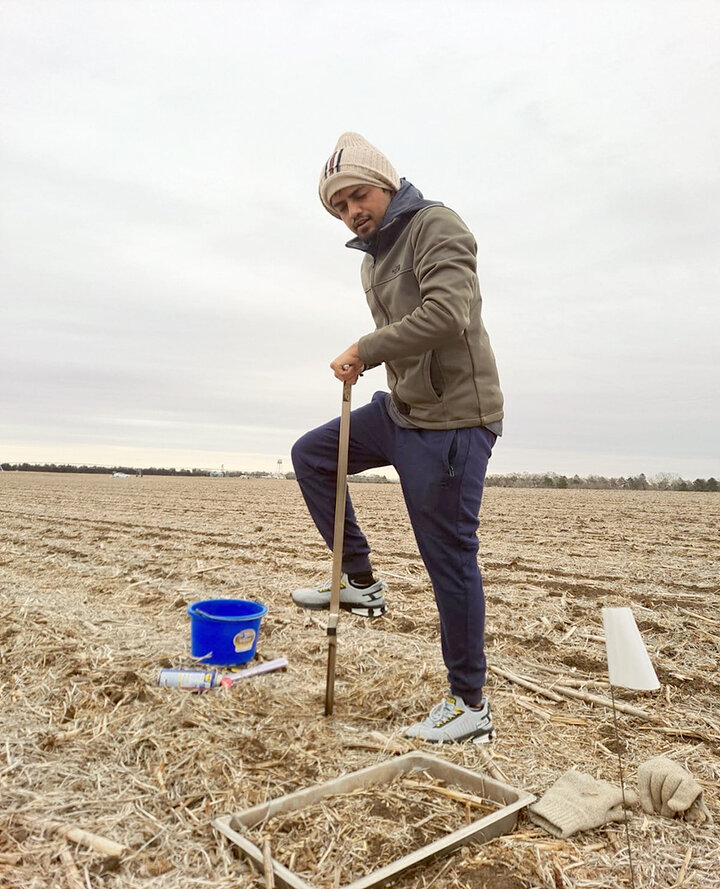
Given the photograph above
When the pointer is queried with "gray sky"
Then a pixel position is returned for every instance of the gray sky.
(171, 289)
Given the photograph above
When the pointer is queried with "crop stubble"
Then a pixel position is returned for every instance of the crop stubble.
(95, 575)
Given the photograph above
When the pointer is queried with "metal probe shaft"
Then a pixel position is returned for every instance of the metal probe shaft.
(338, 538)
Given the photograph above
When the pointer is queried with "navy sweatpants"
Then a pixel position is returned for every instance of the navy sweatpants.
(442, 474)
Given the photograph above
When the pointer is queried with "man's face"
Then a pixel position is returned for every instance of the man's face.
(362, 208)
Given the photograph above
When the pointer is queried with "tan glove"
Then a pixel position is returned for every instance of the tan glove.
(669, 789)
(578, 802)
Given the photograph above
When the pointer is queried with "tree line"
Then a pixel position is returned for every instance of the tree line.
(664, 481)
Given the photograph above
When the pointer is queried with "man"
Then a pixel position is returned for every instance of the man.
(437, 426)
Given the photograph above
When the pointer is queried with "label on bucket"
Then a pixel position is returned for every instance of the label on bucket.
(244, 640)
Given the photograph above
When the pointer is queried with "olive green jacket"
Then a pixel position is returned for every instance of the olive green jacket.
(419, 276)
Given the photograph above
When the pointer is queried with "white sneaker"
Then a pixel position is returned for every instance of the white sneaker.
(453, 720)
(365, 601)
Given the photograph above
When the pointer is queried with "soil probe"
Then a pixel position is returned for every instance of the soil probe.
(338, 537)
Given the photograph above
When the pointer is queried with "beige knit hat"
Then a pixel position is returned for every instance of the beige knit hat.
(355, 162)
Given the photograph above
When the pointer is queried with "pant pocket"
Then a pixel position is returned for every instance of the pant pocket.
(449, 452)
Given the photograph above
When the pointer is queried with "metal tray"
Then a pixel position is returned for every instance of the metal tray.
(511, 800)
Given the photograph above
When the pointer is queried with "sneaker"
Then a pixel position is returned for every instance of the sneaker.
(365, 601)
(453, 720)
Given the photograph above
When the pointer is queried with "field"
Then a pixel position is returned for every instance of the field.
(95, 577)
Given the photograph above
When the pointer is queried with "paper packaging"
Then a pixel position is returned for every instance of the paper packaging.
(279, 663)
(629, 664)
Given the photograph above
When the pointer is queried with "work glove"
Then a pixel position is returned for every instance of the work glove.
(578, 802)
(669, 789)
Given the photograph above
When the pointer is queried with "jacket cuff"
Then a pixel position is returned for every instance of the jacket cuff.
(365, 351)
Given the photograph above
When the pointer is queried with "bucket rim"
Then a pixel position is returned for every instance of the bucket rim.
(194, 610)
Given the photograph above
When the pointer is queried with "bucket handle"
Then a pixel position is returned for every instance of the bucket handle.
(235, 618)
(200, 613)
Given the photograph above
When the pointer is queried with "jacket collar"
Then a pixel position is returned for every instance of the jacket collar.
(404, 205)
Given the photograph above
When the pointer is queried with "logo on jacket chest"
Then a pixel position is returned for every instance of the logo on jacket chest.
(395, 269)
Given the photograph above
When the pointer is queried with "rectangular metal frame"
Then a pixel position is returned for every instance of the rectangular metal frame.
(511, 800)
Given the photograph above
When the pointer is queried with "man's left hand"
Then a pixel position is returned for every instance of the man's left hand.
(348, 366)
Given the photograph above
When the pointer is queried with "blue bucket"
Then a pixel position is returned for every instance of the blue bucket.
(224, 631)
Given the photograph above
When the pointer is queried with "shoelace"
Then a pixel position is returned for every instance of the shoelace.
(443, 711)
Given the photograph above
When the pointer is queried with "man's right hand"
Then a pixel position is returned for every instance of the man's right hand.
(348, 366)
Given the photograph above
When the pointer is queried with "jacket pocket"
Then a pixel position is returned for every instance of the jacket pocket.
(414, 384)
(437, 382)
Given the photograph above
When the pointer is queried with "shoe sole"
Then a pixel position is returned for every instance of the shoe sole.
(361, 610)
(374, 611)
(487, 738)
(482, 738)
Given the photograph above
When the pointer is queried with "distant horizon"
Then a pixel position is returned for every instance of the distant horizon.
(386, 471)
(505, 459)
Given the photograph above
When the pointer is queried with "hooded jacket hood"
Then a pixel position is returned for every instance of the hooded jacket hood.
(404, 205)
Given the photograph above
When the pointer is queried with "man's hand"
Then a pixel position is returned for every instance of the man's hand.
(348, 366)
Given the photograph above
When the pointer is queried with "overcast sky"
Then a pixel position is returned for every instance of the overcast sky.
(171, 289)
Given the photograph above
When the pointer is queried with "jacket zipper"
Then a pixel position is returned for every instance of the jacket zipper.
(375, 296)
(380, 303)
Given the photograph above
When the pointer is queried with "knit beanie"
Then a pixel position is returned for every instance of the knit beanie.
(355, 162)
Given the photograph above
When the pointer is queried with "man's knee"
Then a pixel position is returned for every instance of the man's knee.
(300, 451)
(314, 452)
